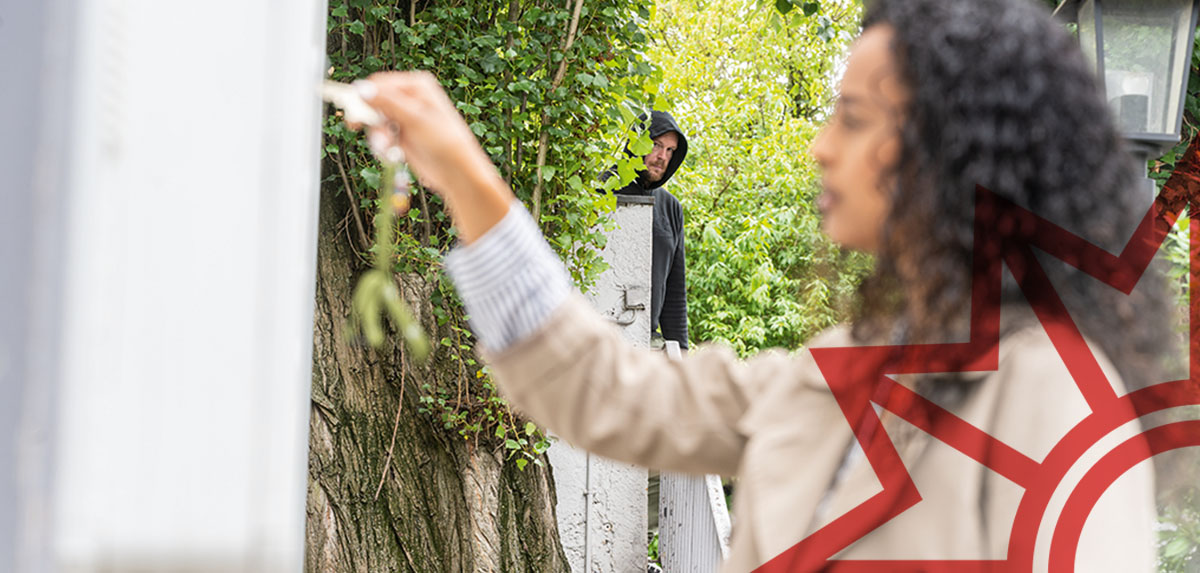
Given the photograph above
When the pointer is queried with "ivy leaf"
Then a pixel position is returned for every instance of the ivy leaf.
(811, 8)
(784, 6)
(530, 428)
(339, 12)
(357, 27)
(511, 444)
(548, 172)
(491, 64)
(521, 463)
(371, 176)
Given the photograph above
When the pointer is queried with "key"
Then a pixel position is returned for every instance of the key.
(381, 140)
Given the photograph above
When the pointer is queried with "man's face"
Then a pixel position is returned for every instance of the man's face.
(660, 156)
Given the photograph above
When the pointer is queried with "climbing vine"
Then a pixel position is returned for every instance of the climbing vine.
(552, 90)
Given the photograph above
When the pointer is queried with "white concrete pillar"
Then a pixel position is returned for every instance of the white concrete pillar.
(601, 503)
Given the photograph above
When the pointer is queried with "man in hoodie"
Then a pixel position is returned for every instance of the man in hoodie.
(668, 290)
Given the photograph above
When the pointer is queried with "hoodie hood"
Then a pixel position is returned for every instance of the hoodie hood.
(660, 122)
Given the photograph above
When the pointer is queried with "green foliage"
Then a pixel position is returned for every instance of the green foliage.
(507, 66)
(652, 554)
(1176, 250)
(750, 88)
(1179, 530)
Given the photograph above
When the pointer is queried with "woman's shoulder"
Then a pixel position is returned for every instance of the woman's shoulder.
(836, 336)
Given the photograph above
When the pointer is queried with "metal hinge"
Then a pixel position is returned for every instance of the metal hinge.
(629, 309)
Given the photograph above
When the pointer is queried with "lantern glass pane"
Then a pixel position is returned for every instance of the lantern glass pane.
(1145, 54)
(1087, 31)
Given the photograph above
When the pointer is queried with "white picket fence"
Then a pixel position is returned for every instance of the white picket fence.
(693, 520)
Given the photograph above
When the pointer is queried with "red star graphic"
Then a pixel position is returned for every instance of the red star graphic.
(849, 370)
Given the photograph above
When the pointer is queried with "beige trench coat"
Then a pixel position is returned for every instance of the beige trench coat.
(773, 422)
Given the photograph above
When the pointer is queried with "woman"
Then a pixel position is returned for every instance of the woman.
(938, 96)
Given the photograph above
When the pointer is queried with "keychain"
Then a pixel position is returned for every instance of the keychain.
(377, 291)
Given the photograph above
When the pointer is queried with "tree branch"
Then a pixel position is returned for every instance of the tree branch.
(514, 15)
(734, 170)
(544, 139)
(395, 429)
(364, 244)
(425, 216)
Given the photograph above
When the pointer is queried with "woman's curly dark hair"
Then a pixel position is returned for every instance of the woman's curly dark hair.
(1001, 96)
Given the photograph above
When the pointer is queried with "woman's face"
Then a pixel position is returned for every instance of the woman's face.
(859, 147)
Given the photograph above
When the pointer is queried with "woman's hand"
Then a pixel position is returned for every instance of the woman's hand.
(440, 148)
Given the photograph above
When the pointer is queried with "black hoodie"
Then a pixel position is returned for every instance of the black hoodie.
(668, 288)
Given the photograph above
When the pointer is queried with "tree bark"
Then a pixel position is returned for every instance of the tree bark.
(444, 505)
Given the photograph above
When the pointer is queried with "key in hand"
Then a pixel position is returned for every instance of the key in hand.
(381, 138)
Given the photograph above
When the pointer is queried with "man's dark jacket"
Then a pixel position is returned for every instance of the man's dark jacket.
(668, 288)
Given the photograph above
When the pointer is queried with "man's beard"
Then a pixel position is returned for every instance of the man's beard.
(652, 178)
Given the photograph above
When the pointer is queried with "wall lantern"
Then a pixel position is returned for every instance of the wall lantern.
(1142, 49)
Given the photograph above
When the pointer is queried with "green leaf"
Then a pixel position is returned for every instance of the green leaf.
(469, 109)
(548, 172)
(626, 173)
(339, 12)
(643, 145)
(511, 444)
(627, 115)
(784, 6)
(530, 428)
(357, 27)
(811, 8)
(521, 463)
(1177, 547)
(371, 176)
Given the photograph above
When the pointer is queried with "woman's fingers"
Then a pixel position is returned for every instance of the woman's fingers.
(439, 147)
(408, 98)
(438, 144)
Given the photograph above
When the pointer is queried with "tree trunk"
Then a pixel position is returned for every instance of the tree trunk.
(444, 504)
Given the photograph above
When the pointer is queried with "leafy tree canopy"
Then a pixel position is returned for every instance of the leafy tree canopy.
(750, 83)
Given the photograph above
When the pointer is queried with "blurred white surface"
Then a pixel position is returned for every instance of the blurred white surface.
(190, 245)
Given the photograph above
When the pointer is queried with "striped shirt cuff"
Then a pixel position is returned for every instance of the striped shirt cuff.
(509, 279)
